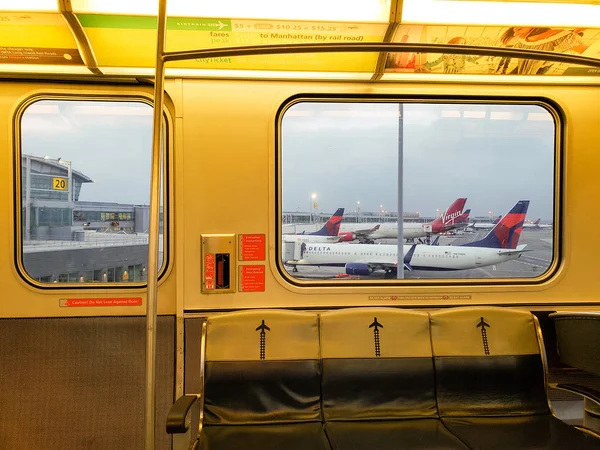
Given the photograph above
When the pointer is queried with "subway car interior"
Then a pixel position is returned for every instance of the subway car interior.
(439, 292)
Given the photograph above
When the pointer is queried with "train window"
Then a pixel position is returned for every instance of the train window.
(478, 184)
(85, 191)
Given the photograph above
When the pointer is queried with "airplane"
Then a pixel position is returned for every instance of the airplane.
(482, 323)
(375, 324)
(537, 225)
(499, 245)
(485, 225)
(461, 221)
(448, 221)
(351, 235)
(464, 217)
(327, 234)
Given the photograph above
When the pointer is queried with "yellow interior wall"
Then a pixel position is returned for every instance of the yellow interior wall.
(224, 144)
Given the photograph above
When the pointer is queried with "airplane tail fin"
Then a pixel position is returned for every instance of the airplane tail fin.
(464, 217)
(506, 233)
(497, 219)
(332, 227)
(537, 222)
(450, 216)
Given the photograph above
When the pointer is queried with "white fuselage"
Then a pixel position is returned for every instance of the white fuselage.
(537, 226)
(388, 230)
(310, 238)
(482, 225)
(425, 257)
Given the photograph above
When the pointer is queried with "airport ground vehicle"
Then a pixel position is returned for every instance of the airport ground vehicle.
(75, 335)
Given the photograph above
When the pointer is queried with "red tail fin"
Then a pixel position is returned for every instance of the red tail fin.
(332, 227)
(450, 216)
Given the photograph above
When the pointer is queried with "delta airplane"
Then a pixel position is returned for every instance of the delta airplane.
(499, 245)
(485, 225)
(327, 234)
(448, 221)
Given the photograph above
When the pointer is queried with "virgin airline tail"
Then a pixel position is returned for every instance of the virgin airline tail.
(449, 217)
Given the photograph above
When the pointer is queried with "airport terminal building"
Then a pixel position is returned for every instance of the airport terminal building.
(68, 240)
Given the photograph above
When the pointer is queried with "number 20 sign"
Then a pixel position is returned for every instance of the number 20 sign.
(60, 184)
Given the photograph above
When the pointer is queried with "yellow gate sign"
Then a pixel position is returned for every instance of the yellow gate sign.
(60, 184)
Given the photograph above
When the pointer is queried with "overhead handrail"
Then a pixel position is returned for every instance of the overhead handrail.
(361, 47)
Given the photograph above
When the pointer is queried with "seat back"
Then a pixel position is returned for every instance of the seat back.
(377, 364)
(487, 362)
(578, 338)
(262, 366)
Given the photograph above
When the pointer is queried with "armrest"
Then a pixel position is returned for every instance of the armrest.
(587, 392)
(176, 419)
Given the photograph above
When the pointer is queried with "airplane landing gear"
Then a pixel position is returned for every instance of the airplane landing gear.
(391, 273)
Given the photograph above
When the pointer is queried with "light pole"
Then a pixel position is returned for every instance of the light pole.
(69, 177)
(380, 211)
(358, 211)
(313, 199)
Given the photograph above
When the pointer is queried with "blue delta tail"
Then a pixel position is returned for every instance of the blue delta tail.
(332, 227)
(506, 233)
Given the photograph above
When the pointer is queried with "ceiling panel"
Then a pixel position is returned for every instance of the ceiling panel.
(36, 38)
(320, 10)
(129, 41)
(481, 12)
(577, 41)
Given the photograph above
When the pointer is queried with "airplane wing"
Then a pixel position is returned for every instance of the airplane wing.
(392, 265)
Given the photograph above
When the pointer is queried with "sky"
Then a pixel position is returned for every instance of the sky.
(494, 155)
(110, 142)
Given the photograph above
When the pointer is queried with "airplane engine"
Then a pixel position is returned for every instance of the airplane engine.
(346, 236)
(358, 269)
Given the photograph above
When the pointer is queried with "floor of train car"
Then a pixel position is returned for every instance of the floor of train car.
(567, 406)
(531, 264)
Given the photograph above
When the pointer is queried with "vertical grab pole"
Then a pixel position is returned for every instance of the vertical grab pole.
(152, 297)
(400, 270)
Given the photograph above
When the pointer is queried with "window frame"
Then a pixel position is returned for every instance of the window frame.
(167, 149)
(558, 251)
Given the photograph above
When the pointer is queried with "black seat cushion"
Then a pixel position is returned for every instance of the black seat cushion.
(383, 388)
(520, 433)
(297, 436)
(246, 392)
(490, 385)
(407, 434)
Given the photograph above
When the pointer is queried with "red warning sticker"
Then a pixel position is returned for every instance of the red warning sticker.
(209, 271)
(121, 301)
(252, 278)
(252, 247)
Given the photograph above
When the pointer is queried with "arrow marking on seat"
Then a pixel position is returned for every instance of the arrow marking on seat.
(263, 338)
(376, 325)
(486, 346)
